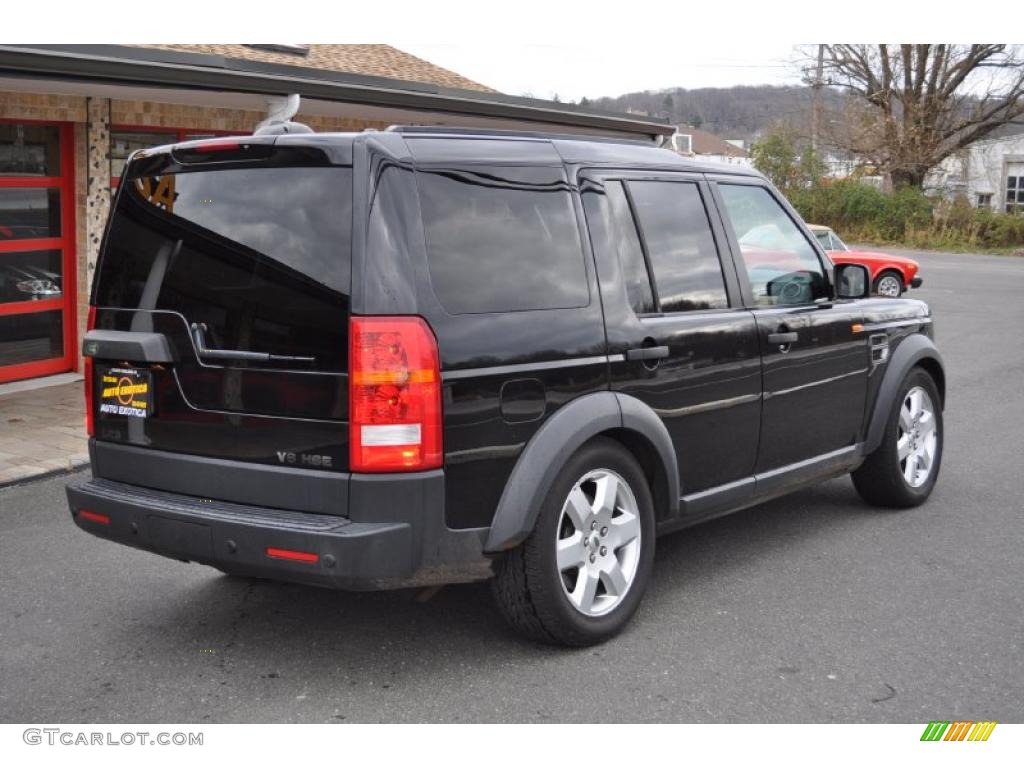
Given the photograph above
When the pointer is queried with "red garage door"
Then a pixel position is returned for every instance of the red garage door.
(37, 249)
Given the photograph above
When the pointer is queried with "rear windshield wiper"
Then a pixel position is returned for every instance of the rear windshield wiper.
(199, 336)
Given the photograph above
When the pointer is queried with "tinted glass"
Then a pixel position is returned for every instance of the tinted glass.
(626, 242)
(29, 150)
(782, 266)
(687, 272)
(29, 337)
(26, 214)
(30, 276)
(502, 239)
(261, 256)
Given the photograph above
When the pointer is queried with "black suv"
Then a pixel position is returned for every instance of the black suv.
(419, 356)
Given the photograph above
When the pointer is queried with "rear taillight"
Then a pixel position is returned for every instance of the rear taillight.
(90, 423)
(394, 395)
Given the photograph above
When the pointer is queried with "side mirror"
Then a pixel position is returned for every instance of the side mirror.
(852, 281)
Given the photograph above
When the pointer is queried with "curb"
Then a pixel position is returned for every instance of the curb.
(70, 470)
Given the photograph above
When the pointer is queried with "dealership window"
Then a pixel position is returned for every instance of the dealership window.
(125, 140)
(28, 149)
(37, 249)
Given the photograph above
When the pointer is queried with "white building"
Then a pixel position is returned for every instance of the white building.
(701, 145)
(990, 172)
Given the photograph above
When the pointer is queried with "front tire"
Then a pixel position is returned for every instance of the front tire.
(902, 471)
(889, 284)
(580, 576)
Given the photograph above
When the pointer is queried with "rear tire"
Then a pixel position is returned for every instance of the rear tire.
(889, 284)
(902, 471)
(580, 576)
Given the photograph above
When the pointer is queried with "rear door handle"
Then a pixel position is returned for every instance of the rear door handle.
(135, 346)
(786, 337)
(647, 353)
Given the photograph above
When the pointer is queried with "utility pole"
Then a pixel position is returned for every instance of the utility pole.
(819, 78)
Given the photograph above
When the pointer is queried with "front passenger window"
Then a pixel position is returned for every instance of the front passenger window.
(782, 266)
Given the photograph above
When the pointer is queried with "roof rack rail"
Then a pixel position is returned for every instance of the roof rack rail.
(452, 130)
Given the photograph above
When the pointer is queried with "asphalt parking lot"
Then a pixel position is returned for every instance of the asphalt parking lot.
(813, 608)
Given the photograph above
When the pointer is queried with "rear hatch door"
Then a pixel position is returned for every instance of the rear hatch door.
(234, 257)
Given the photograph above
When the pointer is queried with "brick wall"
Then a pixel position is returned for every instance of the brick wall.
(158, 115)
(36, 106)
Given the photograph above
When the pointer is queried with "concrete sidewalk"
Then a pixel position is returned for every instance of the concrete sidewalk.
(42, 431)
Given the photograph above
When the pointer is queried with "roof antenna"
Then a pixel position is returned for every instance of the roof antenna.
(280, 112)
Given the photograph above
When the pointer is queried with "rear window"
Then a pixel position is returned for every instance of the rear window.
(502, 239)
(261, 256)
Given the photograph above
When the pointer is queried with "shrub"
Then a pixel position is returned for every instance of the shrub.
(907, 216)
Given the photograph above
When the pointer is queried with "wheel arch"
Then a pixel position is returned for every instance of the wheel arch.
(895, 271)
(916, 350)
(619, 417)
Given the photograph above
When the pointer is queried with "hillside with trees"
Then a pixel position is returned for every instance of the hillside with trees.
(740, 112)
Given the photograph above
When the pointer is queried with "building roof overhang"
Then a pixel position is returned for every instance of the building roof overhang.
(157, 69)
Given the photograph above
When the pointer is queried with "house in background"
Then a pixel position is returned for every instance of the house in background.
(989, 172)
(701, 145)
(71, 114)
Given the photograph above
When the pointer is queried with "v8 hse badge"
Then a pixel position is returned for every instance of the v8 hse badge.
(305, 459)
(126, 392)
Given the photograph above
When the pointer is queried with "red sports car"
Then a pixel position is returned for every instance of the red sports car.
(890, 275)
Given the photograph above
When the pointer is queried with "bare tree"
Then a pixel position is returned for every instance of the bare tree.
(911, 106)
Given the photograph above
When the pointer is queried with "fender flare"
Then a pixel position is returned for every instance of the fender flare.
(559, 437)
(911, 351)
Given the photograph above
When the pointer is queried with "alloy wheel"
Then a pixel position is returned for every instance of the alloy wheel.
(917, 437)
(598, 542)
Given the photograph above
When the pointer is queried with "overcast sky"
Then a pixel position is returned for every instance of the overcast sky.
(574, 71)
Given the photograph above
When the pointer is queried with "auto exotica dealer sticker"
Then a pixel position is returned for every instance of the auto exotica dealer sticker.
(125, 392)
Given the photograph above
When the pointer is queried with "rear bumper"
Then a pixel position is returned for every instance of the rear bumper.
(409, 546)
(916, 282)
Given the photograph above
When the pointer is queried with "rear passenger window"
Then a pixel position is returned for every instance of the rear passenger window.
(502, 239)
(680, 246)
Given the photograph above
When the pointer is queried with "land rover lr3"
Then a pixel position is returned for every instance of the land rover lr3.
(425, 356)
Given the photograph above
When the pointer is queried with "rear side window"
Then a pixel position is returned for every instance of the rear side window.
(680, 246)
(502, 239)
(260, 256)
